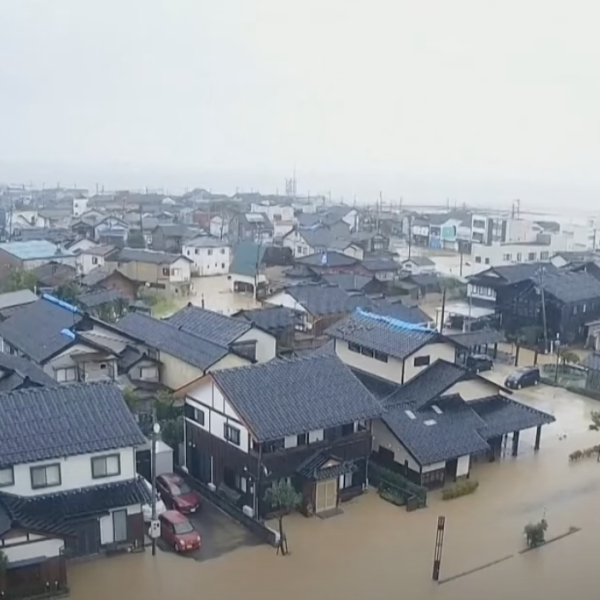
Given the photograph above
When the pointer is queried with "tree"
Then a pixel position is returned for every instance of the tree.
(68, 292)
(135, 239)
(284, 499)
(535, 533)
(568, 356)
(131, 399)
(19, 279)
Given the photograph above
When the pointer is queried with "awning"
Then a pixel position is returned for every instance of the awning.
(323, 465)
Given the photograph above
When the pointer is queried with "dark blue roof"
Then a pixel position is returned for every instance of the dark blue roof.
(168, 338)
(289, 397)
(274, 319)
(36, 329)
(209, 325)
(50, 422)
(247, 259)
(320, 299)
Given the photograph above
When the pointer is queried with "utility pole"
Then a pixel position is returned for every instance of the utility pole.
(443, 310)
(541, 272)
(410, 220)
(154, 525)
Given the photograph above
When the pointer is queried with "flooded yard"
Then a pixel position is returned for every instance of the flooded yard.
(378, 551)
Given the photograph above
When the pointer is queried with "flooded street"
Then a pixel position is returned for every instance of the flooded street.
(377, 550)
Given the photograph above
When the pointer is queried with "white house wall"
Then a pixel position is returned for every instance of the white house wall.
(229, 362)
(217, 412)
(107, 532)
(391, 370)
(434, 351)
(462, 467)
(180, 271)
(26, 551)
(266, 344)
(383, 437)
(75, 471)
(215, 263)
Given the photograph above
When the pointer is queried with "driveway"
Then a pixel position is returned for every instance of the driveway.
(220, 534)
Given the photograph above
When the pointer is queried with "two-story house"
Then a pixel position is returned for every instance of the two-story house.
(209, 255)
(68, 484)
(304, 420)
(161, 271)
(92, 258)
(45, 332)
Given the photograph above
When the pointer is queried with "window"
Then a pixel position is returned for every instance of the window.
(274, 445)
(346, 481)
(421, 361)
(210, 251)
(431, 477)
(353, 347)
(302, 439)
(231, 434)
(478, 259)
(68, 374)
(222, 250)
(575, 310)
(584, 308)
(197, 251)
(478, 224)
(94, 260)
(119, 526)
(366, 351)
(106, 466)
(487, 261)
(519, 257)
(380, 356)
(507, 257)
(7, 477)
(531, 256)
(165, 271)
(46, 476)
(545, 255)
(199, 416)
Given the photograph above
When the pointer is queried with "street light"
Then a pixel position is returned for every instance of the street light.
(154, 524)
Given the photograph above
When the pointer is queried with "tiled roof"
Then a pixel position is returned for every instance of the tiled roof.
(330, 258)
(167, 338)
(468, 339)
(289, 397)
(433, 437)
(100, 297)
(315, 466)
(348, 281)
(205, 241)
(36, 329)
(247, 259)
(17, 370)
(520, 272)
(319, 299)
(397, 310)
(274, 319)
(380, 264)
(50, 422)
(147, 256)
(569, 286)
(17, 298)
(421, 261)
(386, 334)
(210, 325)
(55, 512)
(95, 276)
(381, 389)
(503, 415)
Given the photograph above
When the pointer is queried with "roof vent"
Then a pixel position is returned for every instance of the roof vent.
(429, 422)
(437, 409)
(410, 414)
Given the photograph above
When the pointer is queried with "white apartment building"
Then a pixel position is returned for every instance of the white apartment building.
(209, 256)
(520, 252)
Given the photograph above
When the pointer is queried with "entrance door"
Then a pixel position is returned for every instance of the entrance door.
(86, 540)
(326, 495)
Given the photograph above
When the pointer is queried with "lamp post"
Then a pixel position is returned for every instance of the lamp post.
(154, 525)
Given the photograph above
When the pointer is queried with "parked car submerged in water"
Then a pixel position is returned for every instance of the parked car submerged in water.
(523, 377)
(177, 494)
(178, 532)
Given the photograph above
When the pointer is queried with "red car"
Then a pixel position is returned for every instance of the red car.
(178, 532)
(177, 494)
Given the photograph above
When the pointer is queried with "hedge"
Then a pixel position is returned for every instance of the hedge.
(462, 488)
(380, 476)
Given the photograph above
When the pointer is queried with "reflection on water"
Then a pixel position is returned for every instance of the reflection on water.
(378, 551)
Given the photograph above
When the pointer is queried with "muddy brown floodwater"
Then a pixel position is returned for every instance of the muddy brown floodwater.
(378, 551)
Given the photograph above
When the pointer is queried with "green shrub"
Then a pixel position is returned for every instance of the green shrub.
(394, 496)
(379, 476)
(462, 488)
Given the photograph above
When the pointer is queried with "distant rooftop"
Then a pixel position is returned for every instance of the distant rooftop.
(33, 249)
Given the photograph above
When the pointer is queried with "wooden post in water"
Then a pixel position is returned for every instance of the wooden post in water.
(439, 544)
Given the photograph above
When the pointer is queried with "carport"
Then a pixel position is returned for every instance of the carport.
(484, 341)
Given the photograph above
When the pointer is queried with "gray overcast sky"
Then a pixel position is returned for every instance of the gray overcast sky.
(461, 98)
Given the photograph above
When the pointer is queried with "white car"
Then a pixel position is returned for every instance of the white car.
(147, 508)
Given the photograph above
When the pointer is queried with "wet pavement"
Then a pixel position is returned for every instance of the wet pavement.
(378, 551)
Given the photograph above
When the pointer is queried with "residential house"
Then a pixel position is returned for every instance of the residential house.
(12, 302)
(209, 256)
(251, 227)
(171, 237)
(419, 230)
(355, 283)
(69, 484)
(559, 305)
(195, 341)
(330, 262)
(304, 420)
(219, 226)
(319, 305)
(280, 215)
(443, 420)
(157, 270)
(80, 244)
(84, 224)
(387, 347)
(323, 238)
(53, 275)
(247, 271)
(92, 258)
(394, 308)
(111, 279)
(372, 242)
(108, 305)
(111, 230)
(498, 254)
(45, 332)
(281, 322)
(30, 255)
(18, 373)
(419, 265)
(383, 268)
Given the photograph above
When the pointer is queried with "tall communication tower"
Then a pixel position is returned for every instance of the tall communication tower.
(290, 186)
